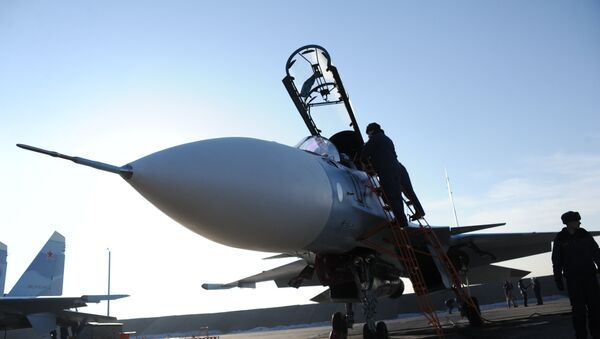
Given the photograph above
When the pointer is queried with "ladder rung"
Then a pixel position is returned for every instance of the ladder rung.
(407, 254)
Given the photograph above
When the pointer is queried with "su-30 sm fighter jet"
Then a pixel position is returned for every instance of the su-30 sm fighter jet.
(35, 300)
(312, 201)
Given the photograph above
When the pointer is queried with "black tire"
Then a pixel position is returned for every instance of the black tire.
(381, 330)
(338, 326)
(367, 333)
(338, 321)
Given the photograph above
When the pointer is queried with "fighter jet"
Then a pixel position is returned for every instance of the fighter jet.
(35, 299)
(313, 201)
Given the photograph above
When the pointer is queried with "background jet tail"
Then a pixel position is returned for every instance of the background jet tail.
(2, 267)
(44, 276)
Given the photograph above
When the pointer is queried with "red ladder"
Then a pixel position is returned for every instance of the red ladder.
(406, 254)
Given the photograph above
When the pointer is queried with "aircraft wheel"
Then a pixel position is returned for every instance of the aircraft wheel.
(381, 330)
(338, 326)
(368, 333)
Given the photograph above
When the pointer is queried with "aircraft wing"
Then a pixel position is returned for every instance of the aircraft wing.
(70, 317)
(484, 249)
(295, 274)
(27, 305)
(492, 273)
(44, 313)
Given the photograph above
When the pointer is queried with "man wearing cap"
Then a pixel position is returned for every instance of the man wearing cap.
(394, 179)
(576, 257)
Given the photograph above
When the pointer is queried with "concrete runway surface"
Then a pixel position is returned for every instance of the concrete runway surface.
(551, 320)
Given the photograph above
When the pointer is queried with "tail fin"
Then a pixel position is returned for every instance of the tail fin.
(2, 267)
(44, 276)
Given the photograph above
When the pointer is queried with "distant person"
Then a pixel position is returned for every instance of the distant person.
(508, 294)
(537, 290)
(523, 286)
(394, 179)
(576, 256)
(450, 303)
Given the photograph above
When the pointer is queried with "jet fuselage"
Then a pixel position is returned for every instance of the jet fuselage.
(259, 195)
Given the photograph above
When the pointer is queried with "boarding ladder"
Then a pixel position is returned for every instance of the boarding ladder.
(406, 254)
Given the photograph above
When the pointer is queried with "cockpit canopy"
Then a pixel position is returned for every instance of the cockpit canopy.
(321, 146)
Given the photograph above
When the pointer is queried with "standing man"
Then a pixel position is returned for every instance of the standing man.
(394, 179)
(450, 304)
(523, 287)
(508, 288)
(537, 290)
(576, 257)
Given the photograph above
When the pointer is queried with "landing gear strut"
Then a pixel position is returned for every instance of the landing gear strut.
(363, 278)
(340, 325)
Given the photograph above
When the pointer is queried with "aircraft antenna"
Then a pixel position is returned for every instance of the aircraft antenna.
(451, 199)
(124, 171)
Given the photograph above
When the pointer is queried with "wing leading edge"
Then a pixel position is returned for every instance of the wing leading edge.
(284, 276)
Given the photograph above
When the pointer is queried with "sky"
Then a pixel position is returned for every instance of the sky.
(501, 94)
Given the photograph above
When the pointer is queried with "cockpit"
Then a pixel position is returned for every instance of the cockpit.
(344, 151)
(321, 91)
(321, 146)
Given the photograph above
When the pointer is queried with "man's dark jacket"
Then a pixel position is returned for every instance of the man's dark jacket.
(382, 154)
(574, 254)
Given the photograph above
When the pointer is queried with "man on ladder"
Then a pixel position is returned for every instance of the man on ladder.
(394, 179)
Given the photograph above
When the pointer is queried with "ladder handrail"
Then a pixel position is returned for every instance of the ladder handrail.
(405, 253)
(407, 257)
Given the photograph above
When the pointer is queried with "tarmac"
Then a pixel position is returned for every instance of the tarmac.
(550, 320)
(404, 320)
(268, 322)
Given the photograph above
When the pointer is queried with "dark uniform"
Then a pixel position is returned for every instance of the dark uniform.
(537, 289)
(576, 257)
(450, 304)
(394, 179)
(523, 288)
(508, 294)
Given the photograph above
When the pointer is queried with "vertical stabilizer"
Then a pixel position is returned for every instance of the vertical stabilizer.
(44, 276)
(2, 267)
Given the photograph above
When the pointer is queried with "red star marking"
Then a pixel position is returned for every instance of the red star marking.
(49, 254)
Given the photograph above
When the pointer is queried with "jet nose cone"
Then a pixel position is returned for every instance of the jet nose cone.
(240, 192)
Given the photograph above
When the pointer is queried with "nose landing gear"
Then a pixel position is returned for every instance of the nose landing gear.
(339, 329)
(381, 331)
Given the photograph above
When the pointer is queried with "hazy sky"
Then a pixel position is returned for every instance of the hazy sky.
(503, 94)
